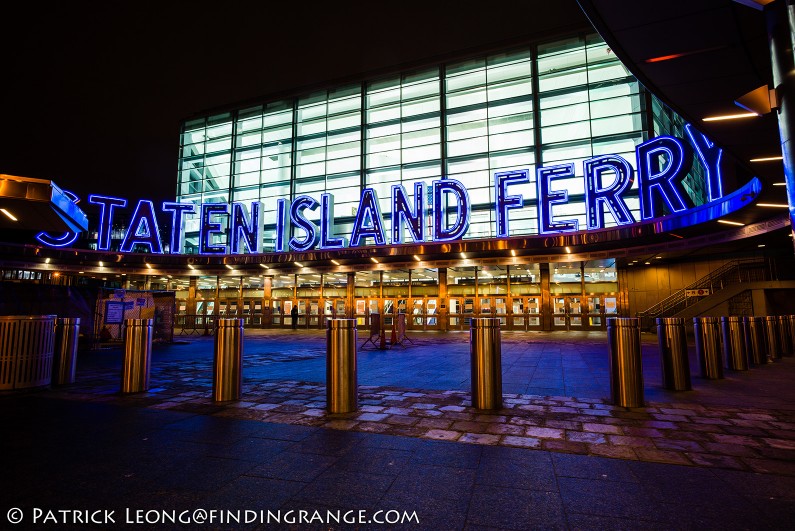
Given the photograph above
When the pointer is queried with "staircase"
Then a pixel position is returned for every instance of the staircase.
(729, 274)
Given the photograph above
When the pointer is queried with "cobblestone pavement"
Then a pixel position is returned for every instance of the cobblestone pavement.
(745, 422)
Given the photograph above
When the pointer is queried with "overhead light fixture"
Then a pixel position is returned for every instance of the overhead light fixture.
(727, 222)
(647, 263)
(767, 159)
(513, 253)
(772, 205)
(298, 264)
(676, 235)
(568, 250)
(263, 266)
(464, 256)
(191, 267)
(335, 262)
(761, 245)
(147, 265)
(101, 264)
(46, 260)
(229, 267)
(779, 184)
(417, 258)
(657, 257)
(374, 260)
(8, 214)
(736, 116)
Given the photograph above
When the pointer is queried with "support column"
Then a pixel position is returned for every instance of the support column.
(267, 293)
(350, 292)
(217, 303)
(443, 302)
(780, 19)
(190, 306)
(240, 312)
(546, 299)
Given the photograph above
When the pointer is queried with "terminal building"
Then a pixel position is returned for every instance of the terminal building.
(541, 183)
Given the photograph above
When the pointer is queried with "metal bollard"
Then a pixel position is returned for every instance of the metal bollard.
(341, 379)
(784, 335)
(65, 353)
(228, 360)
(771, 334)
(137, 355)
(755, 340)
(485, 353)
(708, 349)
(672, 340)
(734, 343)
(626, 369)
(26, 351)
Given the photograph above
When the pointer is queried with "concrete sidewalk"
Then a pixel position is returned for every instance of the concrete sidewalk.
(722, 455)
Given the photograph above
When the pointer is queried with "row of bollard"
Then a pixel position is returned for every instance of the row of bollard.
(736, 342)
(341, 370)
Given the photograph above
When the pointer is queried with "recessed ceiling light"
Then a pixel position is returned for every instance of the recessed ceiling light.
(46, 260)
(767, 159)
(736, 116)
(463, 255)
(263, 266)
(229, 267)
(647, 263)
(761, 245)
(779, 184)
(417, 258)
(8, 214)
(727, 222)
(568, 250)
(298, 264)
(658, 257)
(513, 253)
(374, 260)
(335, 262)
(191, 267)
(772, 205)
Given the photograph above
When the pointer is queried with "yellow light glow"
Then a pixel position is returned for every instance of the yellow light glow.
(9, 214)
(374, 260)
(767, 159)
(335, 262)
(722, 117)
(417, 258)
(772, 205)
(299, 265)
(779, 184)
(727, 222)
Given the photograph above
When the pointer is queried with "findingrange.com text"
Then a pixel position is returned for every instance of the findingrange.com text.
(206, 516)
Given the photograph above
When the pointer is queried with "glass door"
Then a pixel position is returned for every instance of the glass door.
(276, 313)
(432, 314)
(533, 305)
(559, 316)
(575, 312)
(455, 313)
(518, 319)
(500, 310)
(314, 313)
(595, 312)
(417, 320)
(486, 307)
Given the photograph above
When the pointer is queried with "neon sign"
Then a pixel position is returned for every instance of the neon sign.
(662, 163)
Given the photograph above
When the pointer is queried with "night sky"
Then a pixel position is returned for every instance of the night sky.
(93, 92)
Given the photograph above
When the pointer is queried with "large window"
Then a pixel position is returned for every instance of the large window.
(551, 103)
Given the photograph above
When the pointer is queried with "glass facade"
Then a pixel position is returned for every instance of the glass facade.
(545, 104)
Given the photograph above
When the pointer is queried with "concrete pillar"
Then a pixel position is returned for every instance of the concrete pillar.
(190, 306)
(780, 19)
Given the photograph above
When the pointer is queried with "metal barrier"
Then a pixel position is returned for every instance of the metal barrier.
(792, 331)
(771, 334)
(755, 339)
(26, 350)
(784, 335)
(341, 378)
(734, 343)
(708, 348)
(672, 339)
(485, 353)
(64, 363)
(626, 369)
(228, 360)
(137, 355)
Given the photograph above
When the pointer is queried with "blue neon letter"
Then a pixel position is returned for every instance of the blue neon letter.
(504, 201)
(668, 181)
(368, 222)
(67, 238)
(178, 211)
(281, 225)
(208, 228)
(710, 155)
(297, 217)
(595, 195)
(402, 212)
(106, 206)
(143, 229)
(248, 232)
(441, 232)
(328, 240)
(547, 198)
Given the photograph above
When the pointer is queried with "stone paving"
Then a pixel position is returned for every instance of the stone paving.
(708, 427)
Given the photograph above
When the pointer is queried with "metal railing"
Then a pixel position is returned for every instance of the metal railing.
(730, 273)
